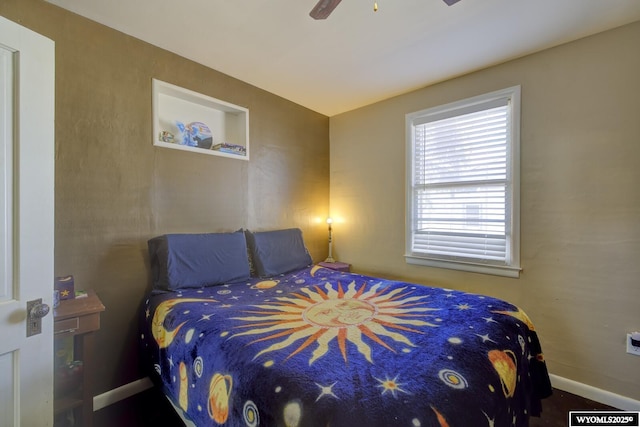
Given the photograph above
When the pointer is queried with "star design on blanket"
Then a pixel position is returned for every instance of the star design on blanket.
(362, 315)
(326, 390)
(390, 386)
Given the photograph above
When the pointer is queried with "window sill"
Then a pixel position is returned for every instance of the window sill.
(495, 270)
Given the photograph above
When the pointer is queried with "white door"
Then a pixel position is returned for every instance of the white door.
(26, 223)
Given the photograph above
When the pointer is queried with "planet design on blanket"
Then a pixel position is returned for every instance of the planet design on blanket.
(250, 414)
(453, 379)
(265, 284)
(292, 413)
(322, 314)
(504, 362)
(219, 392)
(198, 366)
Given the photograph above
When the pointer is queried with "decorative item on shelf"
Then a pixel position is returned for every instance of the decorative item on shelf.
(166, 136)
(195, 134)
(330, 258)
(230, 148)
(65, 286)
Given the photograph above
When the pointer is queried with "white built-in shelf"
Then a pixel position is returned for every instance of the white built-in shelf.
(187, 120)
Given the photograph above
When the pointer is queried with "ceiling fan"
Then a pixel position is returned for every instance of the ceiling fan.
(324, 8)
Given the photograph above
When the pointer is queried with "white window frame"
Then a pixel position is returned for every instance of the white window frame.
(511, 267)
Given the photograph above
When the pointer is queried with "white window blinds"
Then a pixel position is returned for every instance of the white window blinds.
(461, 182)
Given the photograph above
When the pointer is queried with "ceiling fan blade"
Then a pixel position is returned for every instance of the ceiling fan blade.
(451, 2)
(324, 8)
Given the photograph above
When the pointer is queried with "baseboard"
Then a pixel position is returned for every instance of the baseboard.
(117, 394)
(588, 392)
(595, 394)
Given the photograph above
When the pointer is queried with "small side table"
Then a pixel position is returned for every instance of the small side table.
(338, 266)
(80, 319)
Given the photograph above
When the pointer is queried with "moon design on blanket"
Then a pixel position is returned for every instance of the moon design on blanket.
(314, 269)
(163, 336)
(324, 315)
(520, 315)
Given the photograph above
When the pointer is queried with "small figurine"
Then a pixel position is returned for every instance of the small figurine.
(195, 134)
(186, 135)
(166, 136)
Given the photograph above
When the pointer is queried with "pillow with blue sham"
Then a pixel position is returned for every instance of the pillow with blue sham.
(277, 252)
(181, 261)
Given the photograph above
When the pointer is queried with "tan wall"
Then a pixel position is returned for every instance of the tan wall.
(580, 174)
(115, 190)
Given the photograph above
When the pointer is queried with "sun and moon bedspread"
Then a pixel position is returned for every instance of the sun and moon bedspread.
(319, 347)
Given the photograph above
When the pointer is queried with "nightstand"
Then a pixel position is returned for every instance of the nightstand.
(338, 266)
(76, 320)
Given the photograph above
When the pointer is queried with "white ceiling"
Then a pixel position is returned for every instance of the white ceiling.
(356, 56)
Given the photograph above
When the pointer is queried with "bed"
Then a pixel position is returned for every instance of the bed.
(242, 330)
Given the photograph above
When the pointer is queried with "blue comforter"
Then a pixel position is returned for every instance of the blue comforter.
(319, 347)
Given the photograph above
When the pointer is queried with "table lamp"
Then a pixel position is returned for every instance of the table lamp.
(329, 258)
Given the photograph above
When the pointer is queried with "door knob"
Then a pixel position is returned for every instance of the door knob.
(36, 310)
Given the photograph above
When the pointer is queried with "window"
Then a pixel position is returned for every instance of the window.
(463, 184)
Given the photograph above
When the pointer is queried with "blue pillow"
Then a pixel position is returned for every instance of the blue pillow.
(195, 260)
(277, 252)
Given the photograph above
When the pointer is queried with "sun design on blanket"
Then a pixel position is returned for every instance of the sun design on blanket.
(320, 316)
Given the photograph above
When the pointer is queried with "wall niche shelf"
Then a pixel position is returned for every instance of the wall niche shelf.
(190, 121)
